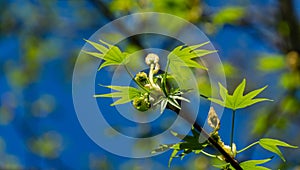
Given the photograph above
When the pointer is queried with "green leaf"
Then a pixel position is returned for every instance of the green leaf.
(183, 56)
(125, 93)
(253, 164)
(272, 146)
(111, 55)
(173, 155)
(238, 100)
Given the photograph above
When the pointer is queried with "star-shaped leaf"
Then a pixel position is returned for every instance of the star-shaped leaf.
(272, 146)
(125, 93)
(183, 56)
(111, 54)
(238, 100)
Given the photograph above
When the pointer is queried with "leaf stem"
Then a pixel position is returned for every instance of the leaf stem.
(249, 146)
(232, 128)
(151, 74)
(209, 155)
(130, 74)
(165, 90)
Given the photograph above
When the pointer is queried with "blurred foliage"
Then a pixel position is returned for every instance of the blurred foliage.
(228, 15)
(269, 63)
(43, 106)
(99, 162)
(48, 145)
(8, 161)
(190, 10)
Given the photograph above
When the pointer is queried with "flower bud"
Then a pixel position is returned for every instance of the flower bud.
(213, 119)
(151, 59)
(229, 150)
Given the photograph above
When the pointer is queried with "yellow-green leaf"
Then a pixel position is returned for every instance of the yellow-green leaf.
(111, 55)
(238, 100)
(183, 56)
(125, 93)
(272, 146)
(173, 155)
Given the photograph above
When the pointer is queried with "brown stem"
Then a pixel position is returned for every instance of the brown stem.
(102, 7)
(234, 163)
(288, 15)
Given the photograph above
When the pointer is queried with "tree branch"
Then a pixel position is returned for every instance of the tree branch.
(288, 15)
(234, 163)
(103, 9)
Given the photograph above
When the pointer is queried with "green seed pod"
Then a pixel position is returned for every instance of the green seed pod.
(142, 102)
(141, 78)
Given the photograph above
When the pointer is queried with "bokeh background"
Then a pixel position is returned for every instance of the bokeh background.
(40, 41)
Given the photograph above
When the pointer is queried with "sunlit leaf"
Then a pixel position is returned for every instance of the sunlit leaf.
(183, 56)
(253, 164)
(125, 93)
(272, 146)
(111, 55)
(173, 155)
(238, 100)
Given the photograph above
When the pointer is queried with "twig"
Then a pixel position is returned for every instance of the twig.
(234, 163)
(103, 9)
